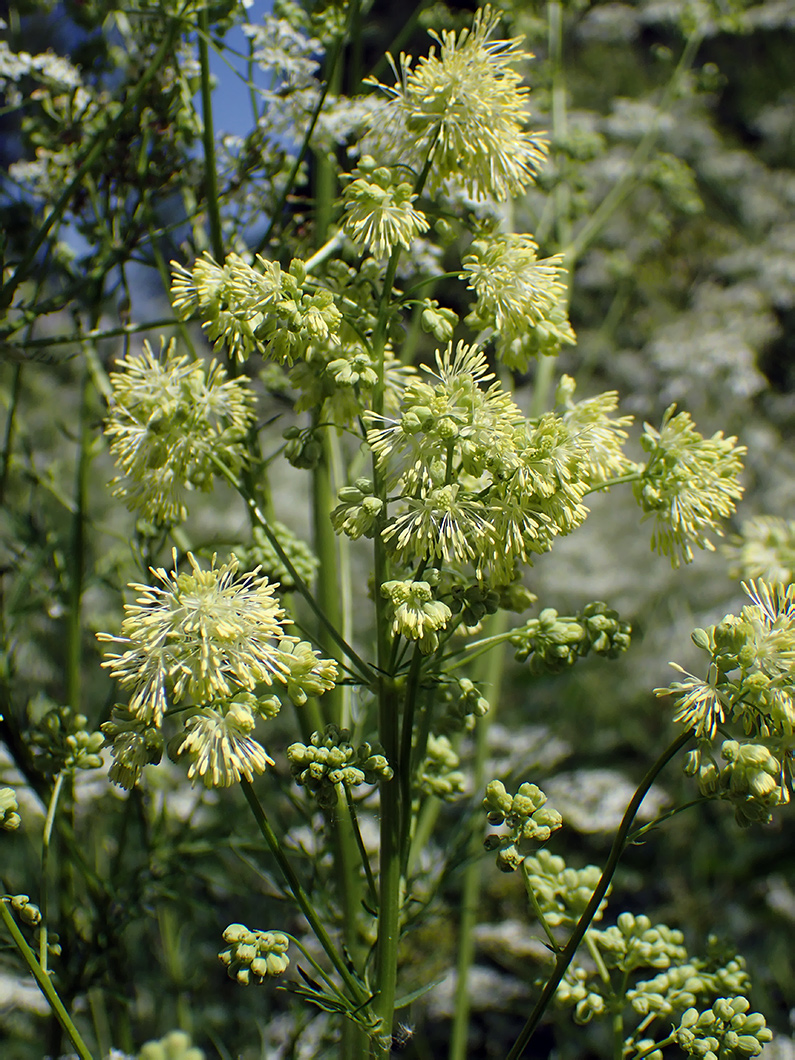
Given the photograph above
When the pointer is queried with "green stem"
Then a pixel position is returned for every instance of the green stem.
(354, 986)
(8, 440)
(45, 860)
(45, 983)
(362, 850)
(208, 140)
(619, 845)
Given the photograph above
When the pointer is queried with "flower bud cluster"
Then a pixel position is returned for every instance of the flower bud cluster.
(579, 989)
(463, 703)
(357, 513)
(62, 741)
(726, 1030)
(416, 615)
(261, 553)
(562, 893)
(176, 1045)
(9, 818)
(752, 778)
(681, 985)
(632, 942)
(526, 817)
(29, 913)
(553, 643)
(265, 310)
(440, 775)
(330, 759)
(258, 953)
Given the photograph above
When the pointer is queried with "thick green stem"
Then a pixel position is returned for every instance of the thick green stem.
(619, 845)
(45, 983)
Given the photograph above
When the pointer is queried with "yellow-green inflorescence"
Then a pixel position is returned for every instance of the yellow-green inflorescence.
(748, 698)
(170, 418)
(262, 954)
(527, 820)
(206, 640)
(330, 759)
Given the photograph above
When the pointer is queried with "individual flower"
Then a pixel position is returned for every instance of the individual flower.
(690, 483)
(415, 613)
(465, 107)
(218, 742)
(203, 634)
(379, 209)
(304, 672)
(169, 417)
(516, 292)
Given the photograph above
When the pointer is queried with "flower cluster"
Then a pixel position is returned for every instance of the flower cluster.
(526, 817)
(261, 953)
(477, 482)
(464, 108)
(462, 703)
(261, 553)
(553, 643)
(330, 759)
(379, 209)
(623, 954)
(516, 295)
(562, 893)
(725, 1030)
(690, 483)
(750, 681)
(168, 419)
(210, 637)
(61, 740)
(247, 310)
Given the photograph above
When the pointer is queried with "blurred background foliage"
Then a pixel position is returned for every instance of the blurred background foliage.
(675, 184)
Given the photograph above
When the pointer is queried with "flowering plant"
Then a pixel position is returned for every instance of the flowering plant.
(436, 491)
